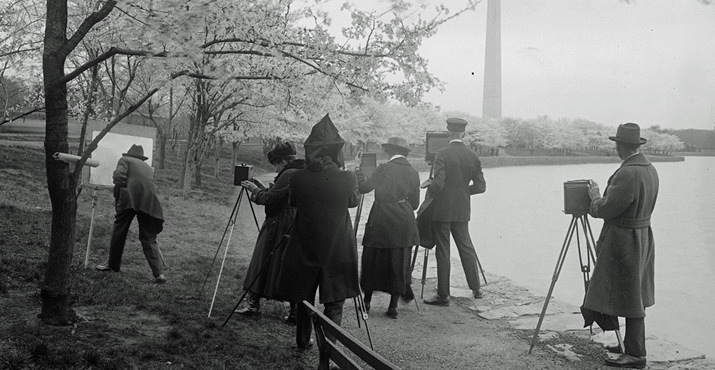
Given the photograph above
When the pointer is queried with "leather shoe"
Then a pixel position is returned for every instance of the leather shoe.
(161, 279)
(103, 268)
(409, 295)
(478, 294)
(614, 349)
(391, 312)
(437, 300)
(307, 346)
(626, 360)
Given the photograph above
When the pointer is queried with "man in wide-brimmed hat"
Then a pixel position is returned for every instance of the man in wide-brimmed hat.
(135, 195)
(622, 284)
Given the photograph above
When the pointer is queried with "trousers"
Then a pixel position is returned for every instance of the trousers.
(467, 254)
(303, 323)
(149, 228)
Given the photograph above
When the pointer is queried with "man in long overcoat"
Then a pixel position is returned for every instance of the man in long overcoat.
(135, 195)
(622, 281)
(322, 251)
(457, 176)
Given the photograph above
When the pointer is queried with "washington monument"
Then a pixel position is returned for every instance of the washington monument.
(491, 104)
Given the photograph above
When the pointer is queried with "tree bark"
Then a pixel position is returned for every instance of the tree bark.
(55, 290)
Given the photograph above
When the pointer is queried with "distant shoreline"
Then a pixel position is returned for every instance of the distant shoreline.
(492, 162)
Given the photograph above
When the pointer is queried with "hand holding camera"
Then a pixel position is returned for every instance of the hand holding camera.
(593, 191)
(253, 184)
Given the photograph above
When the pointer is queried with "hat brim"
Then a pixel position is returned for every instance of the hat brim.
(398, 147)
(618, 139)
(143, 158)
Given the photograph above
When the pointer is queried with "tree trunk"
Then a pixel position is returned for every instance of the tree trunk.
(234, 154)
(162, 151)
(217, 158)
(55, 290)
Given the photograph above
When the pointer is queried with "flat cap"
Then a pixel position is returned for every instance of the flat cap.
(456, 124)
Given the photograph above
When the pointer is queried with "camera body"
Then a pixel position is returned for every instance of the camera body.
(434, 141)
(368, 163)
(576, 199)
(241, 172)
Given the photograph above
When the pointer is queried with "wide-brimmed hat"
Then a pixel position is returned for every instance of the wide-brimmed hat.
(397, 142)
(136, 151)
(629, 133)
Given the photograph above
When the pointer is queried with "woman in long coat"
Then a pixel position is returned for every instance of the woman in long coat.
(271, 240)
(322, 251)
(391, 229)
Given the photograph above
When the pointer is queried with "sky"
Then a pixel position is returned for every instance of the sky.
(609, 61)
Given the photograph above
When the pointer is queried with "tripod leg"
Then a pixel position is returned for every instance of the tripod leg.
(480, 267)
(620, 341)
(364, 318)
(357, 214)
(357, 310)
(424, 272)
(253, 212)
(414, 258)
(225, 252)
(555, 276)
(228, 224)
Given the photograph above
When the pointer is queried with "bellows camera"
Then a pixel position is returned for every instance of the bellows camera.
(576, 199)
(241, 172)
(368, 163)
(434, 141)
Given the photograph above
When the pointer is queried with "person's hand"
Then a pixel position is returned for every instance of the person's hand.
(249, 185)
(258, 183)
(425, 184)
(593, 191)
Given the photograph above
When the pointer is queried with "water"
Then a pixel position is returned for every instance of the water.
(518, 228)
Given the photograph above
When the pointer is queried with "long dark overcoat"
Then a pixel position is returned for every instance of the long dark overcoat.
(455, 166)
(622, 281)
(391, 223)
(134, 180)
(322, 248)
(279, 220)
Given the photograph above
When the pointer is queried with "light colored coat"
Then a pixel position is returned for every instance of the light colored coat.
(623, 278)
(134, 185)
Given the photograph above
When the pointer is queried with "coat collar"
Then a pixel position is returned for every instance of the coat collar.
(400, 160)
(636, 160)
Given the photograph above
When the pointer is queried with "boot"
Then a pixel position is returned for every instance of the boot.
(252, 307)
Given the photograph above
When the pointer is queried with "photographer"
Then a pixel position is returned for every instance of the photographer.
(135, 195)
(322, 251)
(455, 167)
(279, 220)
(623, 277)
(391, 229)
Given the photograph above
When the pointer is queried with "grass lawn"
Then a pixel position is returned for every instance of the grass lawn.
(124, 320)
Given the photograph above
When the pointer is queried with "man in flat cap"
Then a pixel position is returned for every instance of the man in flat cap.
(135, 195)
(455, 167)
(623, 277)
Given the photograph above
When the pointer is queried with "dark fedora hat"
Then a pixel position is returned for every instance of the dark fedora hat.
(456, 124)
(136, 151)
(398, 143)
(629, 133)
